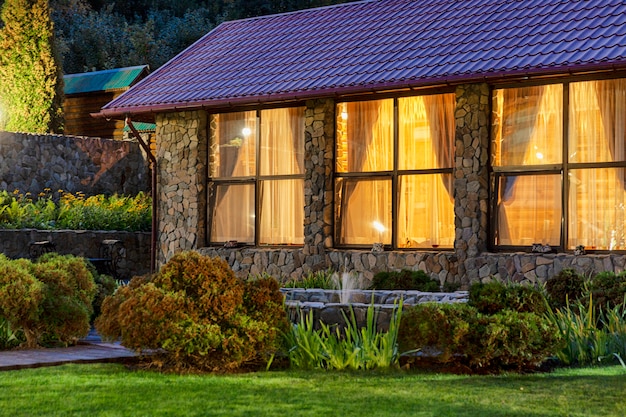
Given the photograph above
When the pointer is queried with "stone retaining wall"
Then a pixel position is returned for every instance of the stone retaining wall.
(32, 162)
(285, 264)
(85, 243)
(326, 306)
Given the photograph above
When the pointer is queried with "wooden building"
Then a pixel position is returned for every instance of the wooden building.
(87, 92)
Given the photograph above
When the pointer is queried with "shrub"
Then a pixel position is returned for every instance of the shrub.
(197, 314)
(566, 285)
(493, 297)
(608, 289)
(49, 300)
(458, 334)
(404, 280)
(21, 295)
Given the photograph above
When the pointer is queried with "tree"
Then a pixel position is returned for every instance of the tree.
(31, 81)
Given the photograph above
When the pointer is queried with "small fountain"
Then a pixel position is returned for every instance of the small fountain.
(346, 286)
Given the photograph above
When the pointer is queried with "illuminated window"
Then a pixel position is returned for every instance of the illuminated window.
(394, 160)
(560, 181)
(256, 177)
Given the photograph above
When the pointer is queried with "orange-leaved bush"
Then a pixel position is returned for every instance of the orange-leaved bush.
(197, 315)
(49, 300)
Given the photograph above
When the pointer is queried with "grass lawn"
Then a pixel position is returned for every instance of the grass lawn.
(112, 390)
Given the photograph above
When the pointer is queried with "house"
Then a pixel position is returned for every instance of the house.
(86, 93)
(473, 139)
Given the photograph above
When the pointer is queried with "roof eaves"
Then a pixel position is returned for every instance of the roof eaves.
(373, 88)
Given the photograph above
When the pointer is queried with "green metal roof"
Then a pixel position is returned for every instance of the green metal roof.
(141, 127)
(112, 79)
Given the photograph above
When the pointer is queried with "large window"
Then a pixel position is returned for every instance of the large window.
(394, 160)
(256, 177)
(558, 155)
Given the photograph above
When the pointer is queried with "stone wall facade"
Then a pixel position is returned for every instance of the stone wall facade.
(182, 146)
(182, 149)
(85, 243)
(31, 163)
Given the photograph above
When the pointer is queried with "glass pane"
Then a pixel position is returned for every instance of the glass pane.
(426, 129)
(232, 214)
(363, 211)
(365, 136)
(597, 121)
(527, 127)
(233, 145)
(529, 210)
(596, 208)
(426, 211)
(282, 212)
(282, 141)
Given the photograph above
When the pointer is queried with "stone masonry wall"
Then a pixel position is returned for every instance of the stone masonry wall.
(182, 147)
(471, 176)
(85, 243)
(319, 131)
(182, 164)
(32, 162)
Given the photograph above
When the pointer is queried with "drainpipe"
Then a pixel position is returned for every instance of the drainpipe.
(153, 186)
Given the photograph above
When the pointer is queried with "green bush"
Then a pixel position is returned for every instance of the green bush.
(404, 280)
(567, 285)
(459, 335)
(198, 315)
(75, 211)
(49, 300)
(608, 289)
(493, 297)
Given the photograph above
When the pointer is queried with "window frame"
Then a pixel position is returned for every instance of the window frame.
(254, 180)
(392, 175)
(563, 169)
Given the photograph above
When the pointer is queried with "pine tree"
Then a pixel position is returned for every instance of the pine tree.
(31, 81)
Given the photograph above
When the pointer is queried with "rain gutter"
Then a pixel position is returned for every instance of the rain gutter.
(153, 187)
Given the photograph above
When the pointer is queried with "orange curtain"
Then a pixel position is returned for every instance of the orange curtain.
(597, 134)
(426, 138)
(528, 131)
(367, 139)
(233, 151)
(282, 200)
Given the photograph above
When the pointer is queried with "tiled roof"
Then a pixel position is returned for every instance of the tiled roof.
(382, 44)
(112, 79)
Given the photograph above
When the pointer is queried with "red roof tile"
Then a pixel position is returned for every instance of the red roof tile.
(382, 44)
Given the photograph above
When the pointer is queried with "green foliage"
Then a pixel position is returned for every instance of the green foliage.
(75, 211)
(9, 338)
(31, 82)
(459, 335)
(351, 347)
(607, 289)
(48, 300)
(591, 335)
(404, 280)
(566, 285)
(493, 297)
(319, 279)
(198, 314)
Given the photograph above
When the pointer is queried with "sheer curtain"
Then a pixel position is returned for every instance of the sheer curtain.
(282, 200)
(426, 138)
(365, 212)
(528, 131)
(233, 146)
(597, 134)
